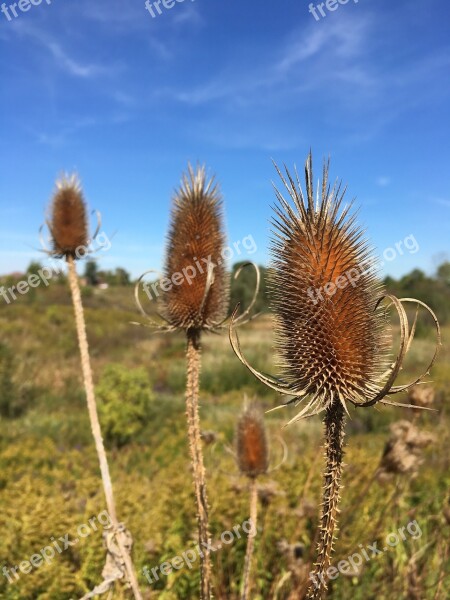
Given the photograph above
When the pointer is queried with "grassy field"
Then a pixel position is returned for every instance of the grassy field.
(50, 484)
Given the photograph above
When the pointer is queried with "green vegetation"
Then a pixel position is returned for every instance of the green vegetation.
(49, 479)
(125, 401)
(433, 290)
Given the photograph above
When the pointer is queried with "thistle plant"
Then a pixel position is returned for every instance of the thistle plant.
(194, 299)
(253, 461)
(331, 327)
(70, 240)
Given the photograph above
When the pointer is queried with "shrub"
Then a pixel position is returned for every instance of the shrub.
(125, 398)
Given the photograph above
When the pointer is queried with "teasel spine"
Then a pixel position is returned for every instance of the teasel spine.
(193, 356)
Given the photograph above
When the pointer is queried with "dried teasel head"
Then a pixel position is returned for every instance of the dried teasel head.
(403, 451)
(421, 396)
(194, 292)
(251, 443)
(194, 250)
(68, 219)
(331, 326)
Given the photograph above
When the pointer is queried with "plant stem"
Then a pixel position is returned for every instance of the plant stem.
(250, 539)
(193, 355)
(334, 442)
(95, 424)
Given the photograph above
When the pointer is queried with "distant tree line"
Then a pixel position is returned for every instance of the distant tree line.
(431, 289)
(434, 290)
(94, 276)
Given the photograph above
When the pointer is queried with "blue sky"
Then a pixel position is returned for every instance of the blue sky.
(126, 100)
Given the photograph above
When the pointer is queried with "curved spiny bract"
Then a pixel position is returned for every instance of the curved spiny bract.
(330, 329)
(68, 219)
(198, 298)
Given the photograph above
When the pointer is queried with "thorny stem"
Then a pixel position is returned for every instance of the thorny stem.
(250, 539)
(334, 442)
(95, 424)
(195, 446)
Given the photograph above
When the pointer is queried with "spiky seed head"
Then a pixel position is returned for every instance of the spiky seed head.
(330, 330)
(68, 219)
(195, 241)
(251, 442)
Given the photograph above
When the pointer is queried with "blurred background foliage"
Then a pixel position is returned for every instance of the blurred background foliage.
(50, 484)
(432, 289)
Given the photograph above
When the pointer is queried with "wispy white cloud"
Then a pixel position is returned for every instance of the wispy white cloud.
(124, 99)
(305, 61)
(70, 65)
(335, 64)
(62, 59)
(62, 132)
(301, 50)
(110, 14)
(187, 15)
(133, 20)
(442, 201)
(338, 39)
(383, 181)
(264, 141)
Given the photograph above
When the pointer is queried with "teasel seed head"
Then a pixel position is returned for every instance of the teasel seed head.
(333, 337)
(251, 442)
(324, 289)
(195, 243)
(68, 219)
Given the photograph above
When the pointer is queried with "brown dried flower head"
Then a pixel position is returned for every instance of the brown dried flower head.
(332, 333)
(251, 442)
(68, 220)
(330, 330)
(199, 297)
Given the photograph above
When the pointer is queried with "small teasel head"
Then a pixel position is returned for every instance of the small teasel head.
(251, 443)
(197, 295)
(68, 222)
